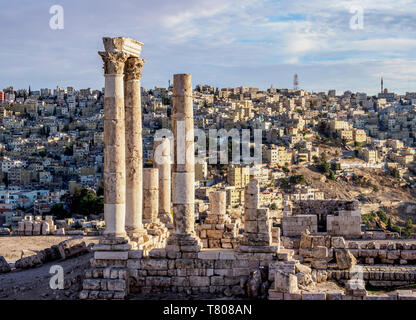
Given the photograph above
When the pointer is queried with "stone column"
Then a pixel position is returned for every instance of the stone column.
(114, 144)
(134, 150)
(183, 177)
(217, 203)
(162, 161)
(150, 195)
(257, 227)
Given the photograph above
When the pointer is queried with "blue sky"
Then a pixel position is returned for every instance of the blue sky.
(226, 43)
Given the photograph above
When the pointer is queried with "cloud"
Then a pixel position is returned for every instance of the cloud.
(218, 41)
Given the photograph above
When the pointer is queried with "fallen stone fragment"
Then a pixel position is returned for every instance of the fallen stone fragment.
(4, 266)
(345, 260)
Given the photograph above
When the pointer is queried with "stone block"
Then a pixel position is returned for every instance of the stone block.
(338, 242)
(275, 295)
(197, 281)
(284, 282)
(111, 255)
(320, 252)
(313, 295)
(292, 296)
(154, 264)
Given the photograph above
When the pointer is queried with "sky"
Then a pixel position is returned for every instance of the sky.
(225, 43)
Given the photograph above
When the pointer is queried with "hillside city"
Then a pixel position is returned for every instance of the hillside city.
(315, 145)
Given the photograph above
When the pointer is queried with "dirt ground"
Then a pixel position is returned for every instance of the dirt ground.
(11, 246)
(34, 284)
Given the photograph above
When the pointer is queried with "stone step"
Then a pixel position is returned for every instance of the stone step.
(285, 254)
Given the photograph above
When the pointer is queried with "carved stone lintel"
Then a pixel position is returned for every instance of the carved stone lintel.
(113, 61)
(133, 68)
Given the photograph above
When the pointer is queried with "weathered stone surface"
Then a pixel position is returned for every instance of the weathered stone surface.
(356, 288)
(111, 255)
(4, 266)
(338, 242)
(345, 260)
(285, 282)
(253, 284)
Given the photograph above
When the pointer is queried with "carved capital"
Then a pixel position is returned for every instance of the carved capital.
(133, 68)
(113, 61)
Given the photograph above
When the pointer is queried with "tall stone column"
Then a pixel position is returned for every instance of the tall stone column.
(134, 149)
(162, 161)
(150, 195)
(184, 163)
(114, 144)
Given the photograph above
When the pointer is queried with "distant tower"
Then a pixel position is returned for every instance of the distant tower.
(295, 82)
(169, 84)
(382, 85)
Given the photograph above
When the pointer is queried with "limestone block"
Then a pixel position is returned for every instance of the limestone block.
(338, 242)
(214, 234)
(356, 288)
(4, 266)
(218, 202)
(319, 264)
(111, 255)
(209, 254)
(345, 260)
(275, 295)
(393, 255)
(320, 252)
(302, 268)
(313, 295)
(150, 178)
(45, 229)
(251, 195)
(306, 240)
(287, 283)
(408, 254)
(250, 226)
(183, 188)
(198, 281)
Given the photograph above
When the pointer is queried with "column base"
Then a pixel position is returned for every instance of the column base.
(113, 239)
(136, 234)
(166, 218)
(185, 242)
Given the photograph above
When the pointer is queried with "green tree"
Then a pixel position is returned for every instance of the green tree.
(58, 211)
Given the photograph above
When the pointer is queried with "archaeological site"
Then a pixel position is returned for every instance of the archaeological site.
(153, 246)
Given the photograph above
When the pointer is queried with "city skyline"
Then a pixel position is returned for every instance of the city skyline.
(222, 43)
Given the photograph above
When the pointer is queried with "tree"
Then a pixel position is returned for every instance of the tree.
(332, 175)
(58, 211)
(86, 202)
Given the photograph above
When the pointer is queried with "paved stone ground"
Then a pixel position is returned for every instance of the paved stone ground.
(33, 284)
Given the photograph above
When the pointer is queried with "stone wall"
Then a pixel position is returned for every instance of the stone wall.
(344, 223)
(295, 225)
(342, 218)
(324, 207)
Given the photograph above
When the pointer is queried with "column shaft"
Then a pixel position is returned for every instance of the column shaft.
(134, 150)
(184, 164)
(162, 161)
(114, 145)
(150, 195)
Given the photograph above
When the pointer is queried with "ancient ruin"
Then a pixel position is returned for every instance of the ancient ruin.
(141, 252)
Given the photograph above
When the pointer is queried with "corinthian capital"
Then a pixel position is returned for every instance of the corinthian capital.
(133, 68)
(113, 61)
